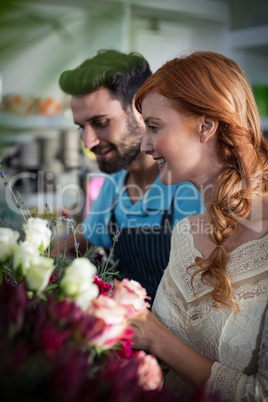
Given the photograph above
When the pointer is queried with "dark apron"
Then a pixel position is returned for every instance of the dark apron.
(143, 253)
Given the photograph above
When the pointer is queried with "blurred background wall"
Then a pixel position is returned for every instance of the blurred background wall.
(39, 39)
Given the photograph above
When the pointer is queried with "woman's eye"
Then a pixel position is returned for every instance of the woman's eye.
(153, 129)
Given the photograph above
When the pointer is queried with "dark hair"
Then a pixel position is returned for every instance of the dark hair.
(122, 74)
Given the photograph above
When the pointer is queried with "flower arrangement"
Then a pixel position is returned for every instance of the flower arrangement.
(66, 333)
(67, 324)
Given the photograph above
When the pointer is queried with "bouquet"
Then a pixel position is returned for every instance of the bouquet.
(66, 333)
(66, 325)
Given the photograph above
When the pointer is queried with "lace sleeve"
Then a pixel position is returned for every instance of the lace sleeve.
(230, 385)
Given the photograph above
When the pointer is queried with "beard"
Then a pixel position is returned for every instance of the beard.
(126, 150)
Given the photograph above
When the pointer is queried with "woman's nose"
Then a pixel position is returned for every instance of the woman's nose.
(146, 144)
(90, 138)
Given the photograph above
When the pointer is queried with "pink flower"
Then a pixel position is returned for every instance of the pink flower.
(149, 372)
(119, 381)
(89, 329)
(116, 328)
(132, 296)
(104, 287)
(126, 350)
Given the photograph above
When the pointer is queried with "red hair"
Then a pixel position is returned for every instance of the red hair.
(210, 84)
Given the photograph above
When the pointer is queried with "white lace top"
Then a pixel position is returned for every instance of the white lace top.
(236, 342)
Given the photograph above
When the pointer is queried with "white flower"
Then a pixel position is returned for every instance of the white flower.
(8, 242)
(38, 233)
(78, 282)
(85, 298)
(78, 277)
(24, 254)
(38, 273)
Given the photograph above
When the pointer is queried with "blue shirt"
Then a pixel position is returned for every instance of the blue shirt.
(146, 212)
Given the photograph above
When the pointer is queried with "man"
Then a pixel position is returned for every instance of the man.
(132, 198)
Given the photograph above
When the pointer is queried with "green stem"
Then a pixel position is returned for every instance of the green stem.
(18, 204)
(110, 253)
(48, 250)
(64, 252)
(76, 247)
(57, 237)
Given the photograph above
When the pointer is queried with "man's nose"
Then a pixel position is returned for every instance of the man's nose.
(146, 144)
(90, 138)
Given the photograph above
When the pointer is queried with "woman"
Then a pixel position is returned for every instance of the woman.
(210, 321)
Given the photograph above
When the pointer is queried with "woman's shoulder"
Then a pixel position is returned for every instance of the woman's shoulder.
(182, 226)
(193, 226)
(182, 241)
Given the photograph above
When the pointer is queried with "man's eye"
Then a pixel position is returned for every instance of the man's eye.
(101, 123)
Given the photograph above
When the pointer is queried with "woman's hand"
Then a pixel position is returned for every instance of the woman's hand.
(146, 333)
(153, 337)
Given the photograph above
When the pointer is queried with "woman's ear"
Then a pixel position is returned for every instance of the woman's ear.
(137, 114)
(208, 127)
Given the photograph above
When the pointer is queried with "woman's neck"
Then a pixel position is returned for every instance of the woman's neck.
(206, 186)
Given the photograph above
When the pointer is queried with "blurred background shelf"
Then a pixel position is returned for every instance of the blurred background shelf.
(252, 38)
(34, 122)
(264, 121)
(19, 124)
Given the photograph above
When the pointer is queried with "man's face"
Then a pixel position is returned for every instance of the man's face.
(113, 134)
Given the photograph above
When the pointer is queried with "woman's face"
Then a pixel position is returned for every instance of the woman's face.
(173, 140)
